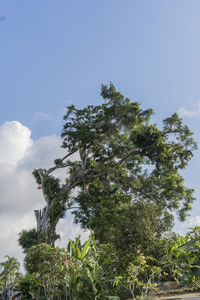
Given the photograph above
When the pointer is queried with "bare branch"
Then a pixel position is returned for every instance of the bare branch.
(60, 166)
(73, 183)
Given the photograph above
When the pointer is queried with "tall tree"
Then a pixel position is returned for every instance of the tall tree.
(137, 184)
(124, 160)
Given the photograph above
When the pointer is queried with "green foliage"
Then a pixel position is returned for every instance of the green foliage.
(126, 165)
(57, 202)
(9, 275)
(93, 272)
(58, 206)
(47, 272)
(78, 251)
(51, 186)
(28, 285)
(140, 278)
(85, 278)
(128, 185)
(58, 162)
(132, 227)
(47, 266)
(131, 166)
(28, 238)
(43, 257)
(37, 176)
(186, 253)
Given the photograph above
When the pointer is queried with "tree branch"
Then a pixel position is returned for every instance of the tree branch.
(60, 166)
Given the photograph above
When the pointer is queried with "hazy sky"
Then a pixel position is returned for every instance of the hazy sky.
(55, 53)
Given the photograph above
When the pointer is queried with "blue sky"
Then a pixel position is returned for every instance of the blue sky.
(55, 53)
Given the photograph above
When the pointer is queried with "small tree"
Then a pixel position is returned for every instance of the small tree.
(29, 285)
(140, 278)
(10, 274)
(47, 266)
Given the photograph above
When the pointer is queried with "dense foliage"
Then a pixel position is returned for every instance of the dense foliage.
(130, 166)
(125, 164)
(92, 271)
(27, 238)
(126, 176)
(9, 276)
(47, 267)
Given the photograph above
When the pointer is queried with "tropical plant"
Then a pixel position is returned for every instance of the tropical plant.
(47, 266)
(186, 254)
(140, 278)
(9, 274)
(78, 251)
(85, 278)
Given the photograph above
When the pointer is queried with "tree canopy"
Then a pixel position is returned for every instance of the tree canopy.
(127, 168)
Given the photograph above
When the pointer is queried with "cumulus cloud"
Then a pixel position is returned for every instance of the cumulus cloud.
(183, 112)
(20, 155)
(14, 142)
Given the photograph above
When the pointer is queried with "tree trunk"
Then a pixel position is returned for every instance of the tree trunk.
(44, 228)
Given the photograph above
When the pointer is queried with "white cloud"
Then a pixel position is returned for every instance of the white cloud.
(183, 228)
(68, 231)
(42, 116)
(194, 222)
(14, 142)
(183, 112)
(20, 155)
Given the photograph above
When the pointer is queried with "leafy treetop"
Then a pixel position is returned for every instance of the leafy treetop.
(123, 159)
